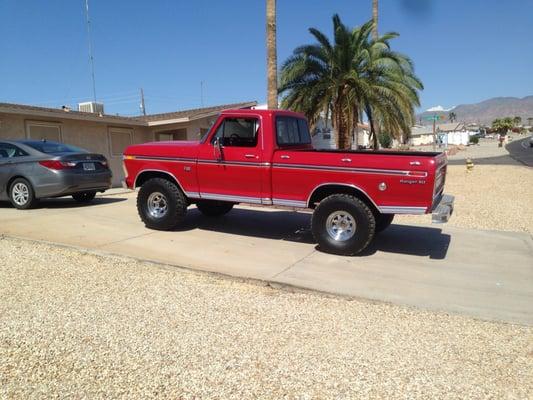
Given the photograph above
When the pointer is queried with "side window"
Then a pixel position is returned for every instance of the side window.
(292, 131)
(9, 151)
(238, 132)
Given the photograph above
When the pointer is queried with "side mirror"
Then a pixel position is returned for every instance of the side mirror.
(217, 149)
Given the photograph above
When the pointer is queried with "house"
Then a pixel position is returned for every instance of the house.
(456, 133)
(103, 133)
(323, 135)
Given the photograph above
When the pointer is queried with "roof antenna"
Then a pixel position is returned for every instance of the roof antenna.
(89, 41)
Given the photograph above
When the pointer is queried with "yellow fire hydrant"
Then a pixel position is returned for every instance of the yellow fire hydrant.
(469, 165)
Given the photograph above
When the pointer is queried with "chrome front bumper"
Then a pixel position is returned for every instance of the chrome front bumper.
(443, 209)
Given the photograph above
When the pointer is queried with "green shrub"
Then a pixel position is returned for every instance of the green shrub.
(385, 140)
(474, 139)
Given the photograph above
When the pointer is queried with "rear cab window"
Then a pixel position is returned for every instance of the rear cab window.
(292, 131)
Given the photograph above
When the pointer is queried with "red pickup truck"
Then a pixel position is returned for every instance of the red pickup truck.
(266, 157)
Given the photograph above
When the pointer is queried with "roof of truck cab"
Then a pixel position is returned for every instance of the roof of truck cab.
(262, 112)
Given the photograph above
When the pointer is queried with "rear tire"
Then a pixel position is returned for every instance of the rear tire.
(383, 221)
(213, 208)
(161, 204)
(84, 197)
(22, 195)
(343, 224)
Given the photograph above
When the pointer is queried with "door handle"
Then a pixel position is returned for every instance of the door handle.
(250, 156)
(346, 160)
(284, 156)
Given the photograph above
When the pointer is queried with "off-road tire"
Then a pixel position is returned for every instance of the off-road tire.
(84, 197)
(31, 200)
(383, 221)
(213, 208)
(358, 210)
(176, 204)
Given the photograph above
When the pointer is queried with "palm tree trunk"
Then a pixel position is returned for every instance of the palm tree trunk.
(375, 18)
(373, 132)
(272, 62)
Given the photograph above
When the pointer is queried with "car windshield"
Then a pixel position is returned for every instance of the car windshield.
(54, 147)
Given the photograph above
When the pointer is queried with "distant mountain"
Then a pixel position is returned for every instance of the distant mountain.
(486, 111)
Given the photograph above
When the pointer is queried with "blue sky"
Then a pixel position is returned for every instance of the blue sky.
(464, 51)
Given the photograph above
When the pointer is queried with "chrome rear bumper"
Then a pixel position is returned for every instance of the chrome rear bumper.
(443, 209)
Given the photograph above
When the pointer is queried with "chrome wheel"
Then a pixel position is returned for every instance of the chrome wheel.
(157, 205)
(340, 225)
(20, 194)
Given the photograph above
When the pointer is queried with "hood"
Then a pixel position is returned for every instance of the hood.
(176, 148)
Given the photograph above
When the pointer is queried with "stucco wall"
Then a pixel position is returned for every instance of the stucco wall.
(193, 127)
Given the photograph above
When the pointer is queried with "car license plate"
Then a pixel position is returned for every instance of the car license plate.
(88, 166)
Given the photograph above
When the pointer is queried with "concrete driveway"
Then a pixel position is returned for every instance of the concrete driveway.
(479, 273)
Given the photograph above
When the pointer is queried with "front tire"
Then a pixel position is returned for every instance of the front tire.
(161, 204)
(84, 197)
(343, 224)
(213, 208)
(21, 194)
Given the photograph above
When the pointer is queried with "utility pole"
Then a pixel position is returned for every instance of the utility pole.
(434, 118)
(143, 108)
(91, 58)
(201, 93)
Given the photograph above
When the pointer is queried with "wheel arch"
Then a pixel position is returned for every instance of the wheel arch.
(14, 178)
(324, 190)
(147, 174)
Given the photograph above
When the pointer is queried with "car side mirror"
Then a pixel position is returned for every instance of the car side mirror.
(217, 149)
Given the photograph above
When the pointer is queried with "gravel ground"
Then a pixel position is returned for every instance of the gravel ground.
(493, 197)
(78, 325)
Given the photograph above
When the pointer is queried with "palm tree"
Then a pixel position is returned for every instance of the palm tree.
(375, 18)
(452, 116)
(517, 121)
(351, 77)
(272, 61)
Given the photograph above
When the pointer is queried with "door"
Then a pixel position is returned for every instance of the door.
(232, 170)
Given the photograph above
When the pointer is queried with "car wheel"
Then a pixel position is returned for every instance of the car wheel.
(383, 221)
(343, 224)
(213, 208)
(84, 197)
(161, 204)
(21, 194)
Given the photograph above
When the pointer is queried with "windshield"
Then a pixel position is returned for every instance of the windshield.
(54, 147)
(205, 135)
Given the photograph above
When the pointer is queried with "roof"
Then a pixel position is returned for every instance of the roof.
(418, 130)
(145, 120)
(60, 113)
(192, 114)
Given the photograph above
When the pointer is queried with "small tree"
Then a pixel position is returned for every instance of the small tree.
(503, 125)
(517, 120)
(452, 116)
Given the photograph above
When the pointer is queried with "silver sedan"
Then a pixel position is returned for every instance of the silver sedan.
(31, 170)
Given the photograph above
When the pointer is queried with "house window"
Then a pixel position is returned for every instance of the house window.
(50, 131)
(119, 139)
(174, 134)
